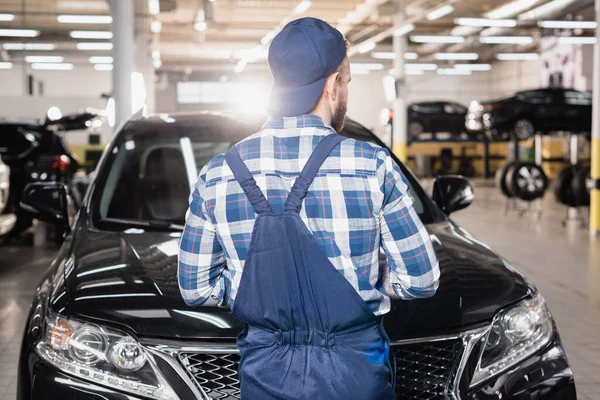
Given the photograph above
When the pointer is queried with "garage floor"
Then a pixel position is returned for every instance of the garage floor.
(560, 261)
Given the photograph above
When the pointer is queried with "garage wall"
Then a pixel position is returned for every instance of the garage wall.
(508, 77)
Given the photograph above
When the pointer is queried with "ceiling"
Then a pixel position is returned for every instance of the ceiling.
(231, 30)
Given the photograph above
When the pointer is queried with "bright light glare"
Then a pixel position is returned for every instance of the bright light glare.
(6, 65)
(111, 112)
(440, 12)
(44, 59)
(365, 48)
(54, 113)
(7, 17)
(577, 40)
(481, 22)
(390, 55)
(19, 32)
(473, 67)
(138, 92)
(29, 46)
(452, 71)
(239, 67)
(101, 60)
(437, 39)
(403, 30)
(52, 66)
(506, 39)
(154, 7)
(94, 46)
(91, 35)
(156, 26)
(103, 67)
(511, 9)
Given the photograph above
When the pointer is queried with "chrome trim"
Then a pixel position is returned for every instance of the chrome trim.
(468, 340)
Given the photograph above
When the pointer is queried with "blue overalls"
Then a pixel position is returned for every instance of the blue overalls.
(309, 334)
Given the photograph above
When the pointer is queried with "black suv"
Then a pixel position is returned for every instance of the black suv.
(108, 321)
(531, 111)
(36, 152)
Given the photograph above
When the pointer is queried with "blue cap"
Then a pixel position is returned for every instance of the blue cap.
(301, 57)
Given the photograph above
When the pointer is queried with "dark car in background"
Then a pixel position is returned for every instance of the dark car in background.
(436, 116)
(108, 321)
(532, 111)
(35, 151)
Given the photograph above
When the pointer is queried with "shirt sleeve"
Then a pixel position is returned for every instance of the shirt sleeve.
(412, 264)
(201, 257)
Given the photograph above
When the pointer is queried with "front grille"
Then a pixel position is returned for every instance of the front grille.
(424, 370)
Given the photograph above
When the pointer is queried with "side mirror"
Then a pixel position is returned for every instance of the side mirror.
(452, 193)
(48, 202)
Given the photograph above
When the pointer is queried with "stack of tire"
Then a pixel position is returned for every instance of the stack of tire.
(522, 180)
(570, 187)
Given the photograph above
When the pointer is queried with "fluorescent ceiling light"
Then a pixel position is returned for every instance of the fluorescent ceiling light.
(511, 9)
(506, 39)
(156, 54)
(517, 56)
(452, 71)
(302, 7)
(154, 7)
(91, 34)
(484, 22)
(390, 55)
(44, 59)
(403, 30)
(94, 46)
(437, 39)
(414, 72)
(440, 12)
(239, 67)
(457, 56)
(84, 19)
(53, 66)
(101, 60)
(6, 65)
(157, 63)
(365, 48)
(367, 66)
(568, 24)
(545, 10)
(424, 67)
(577, 40)
(473, 67)
(103, 67)
(29, 46)
(7, 17)
(156, 26)
(19, 32)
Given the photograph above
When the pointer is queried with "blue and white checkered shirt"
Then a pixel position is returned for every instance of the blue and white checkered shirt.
(358, 203)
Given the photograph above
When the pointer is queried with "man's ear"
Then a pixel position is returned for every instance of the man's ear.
(331, 85)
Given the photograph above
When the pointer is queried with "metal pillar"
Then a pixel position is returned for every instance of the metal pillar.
(123, 54)
(538, 141)
(400, 113)
(143, 58)
(595, 191)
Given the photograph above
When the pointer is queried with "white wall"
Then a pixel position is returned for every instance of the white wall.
(508, 77)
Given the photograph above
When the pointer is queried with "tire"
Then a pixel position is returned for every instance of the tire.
(579, 187)
(563, 185)
(523, 129)
(526, 181)
(415, 129)
(501, 179)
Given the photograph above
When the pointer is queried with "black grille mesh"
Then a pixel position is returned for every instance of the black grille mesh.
(423, 370)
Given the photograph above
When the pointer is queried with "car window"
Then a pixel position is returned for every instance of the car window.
(428, 108)
(578, 98)
(449, 109)
(460, 109)
(535, 97)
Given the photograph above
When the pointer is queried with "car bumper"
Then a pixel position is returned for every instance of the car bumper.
(544, 376)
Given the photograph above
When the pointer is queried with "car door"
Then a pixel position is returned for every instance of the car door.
(547, 109)
(455, 117)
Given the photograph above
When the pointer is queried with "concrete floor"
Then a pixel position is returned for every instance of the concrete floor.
(562, 262)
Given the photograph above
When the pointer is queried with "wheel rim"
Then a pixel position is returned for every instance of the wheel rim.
(524, 129)
(530, 180)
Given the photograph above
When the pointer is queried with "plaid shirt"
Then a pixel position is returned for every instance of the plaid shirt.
(358, 203)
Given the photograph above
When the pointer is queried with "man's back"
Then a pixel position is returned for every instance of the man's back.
(355, 204)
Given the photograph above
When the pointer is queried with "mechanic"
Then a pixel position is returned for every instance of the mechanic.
(286, 229)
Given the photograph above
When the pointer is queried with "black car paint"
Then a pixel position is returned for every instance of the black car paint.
(475, 284)
(550, 112)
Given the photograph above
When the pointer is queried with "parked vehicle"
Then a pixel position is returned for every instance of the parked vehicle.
(7, 218)
(531, 111)
(35, 152)
(108, 320)
(432, 117)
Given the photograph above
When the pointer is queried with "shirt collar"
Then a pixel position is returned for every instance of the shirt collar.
(302, 121)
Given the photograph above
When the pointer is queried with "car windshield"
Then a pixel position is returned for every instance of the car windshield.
(150, 168)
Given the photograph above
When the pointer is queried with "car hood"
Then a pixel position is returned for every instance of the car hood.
(129, 279)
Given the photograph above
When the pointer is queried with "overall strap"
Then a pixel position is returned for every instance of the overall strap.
(316, 159)
(246, 180)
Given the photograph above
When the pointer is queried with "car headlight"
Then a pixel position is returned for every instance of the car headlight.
(103, 356)
(516, 334)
